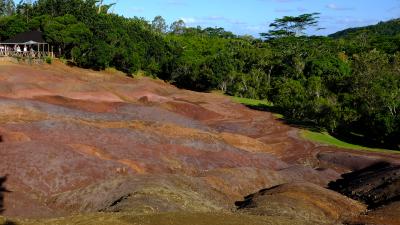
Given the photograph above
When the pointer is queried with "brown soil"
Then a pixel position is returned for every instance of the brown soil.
(75, 140)
(303, 201)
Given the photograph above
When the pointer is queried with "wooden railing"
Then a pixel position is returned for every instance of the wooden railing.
(26, 54)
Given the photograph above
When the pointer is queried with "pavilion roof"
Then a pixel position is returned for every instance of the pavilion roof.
(29, 38)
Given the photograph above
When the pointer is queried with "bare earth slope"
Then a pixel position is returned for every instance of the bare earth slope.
(79, 141)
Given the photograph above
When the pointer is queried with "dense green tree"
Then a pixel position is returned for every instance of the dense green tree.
(290, 97)
(11, 25)
(333, 71)
(68, 34)
(375, 95)
(388, 28)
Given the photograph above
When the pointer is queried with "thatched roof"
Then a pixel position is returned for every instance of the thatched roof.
(29, 37)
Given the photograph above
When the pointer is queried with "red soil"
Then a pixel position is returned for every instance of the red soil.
(68, 131)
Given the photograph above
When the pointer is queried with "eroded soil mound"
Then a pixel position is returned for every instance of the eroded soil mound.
(385, 215)
(303, 201)
(80, 141)
(376, 185)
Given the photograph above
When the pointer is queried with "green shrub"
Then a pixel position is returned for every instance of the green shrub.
(48, 60)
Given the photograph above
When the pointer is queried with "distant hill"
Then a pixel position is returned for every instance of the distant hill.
(389, 28)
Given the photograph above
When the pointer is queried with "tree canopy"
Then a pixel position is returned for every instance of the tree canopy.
(292, 25)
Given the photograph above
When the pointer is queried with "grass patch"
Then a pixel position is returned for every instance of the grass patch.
(114, 71)
(325, 138)
(263, 105)
(252, 102)
(278, 116)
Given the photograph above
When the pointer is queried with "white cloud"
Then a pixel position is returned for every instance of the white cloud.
(176, 2)
(283, 10)
(301, 9)
(256, 29)
(211, 21)
(280, 1)
(189, 20)
(136, 9)
(333, 6)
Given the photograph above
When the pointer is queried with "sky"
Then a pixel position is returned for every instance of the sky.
(254, 16)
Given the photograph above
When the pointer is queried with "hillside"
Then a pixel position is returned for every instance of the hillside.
(388, 28)
(76, 141)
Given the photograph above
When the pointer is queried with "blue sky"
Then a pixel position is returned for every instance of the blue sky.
(254, 16)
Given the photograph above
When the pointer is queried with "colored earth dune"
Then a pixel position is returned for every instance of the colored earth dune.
(112, 149)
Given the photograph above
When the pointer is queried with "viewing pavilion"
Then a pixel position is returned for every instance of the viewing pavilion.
(28, 44)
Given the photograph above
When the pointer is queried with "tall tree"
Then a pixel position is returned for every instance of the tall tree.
(159, 25)
(7, 7)
(2, 7)
(104, 8)
(178, 27)
(292, 25)
(25, 8)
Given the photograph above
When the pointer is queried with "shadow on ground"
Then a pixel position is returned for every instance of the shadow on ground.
(309, 125)
(3, 190)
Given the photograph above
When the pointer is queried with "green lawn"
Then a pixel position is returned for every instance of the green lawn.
(252, 102)
(325, 138)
